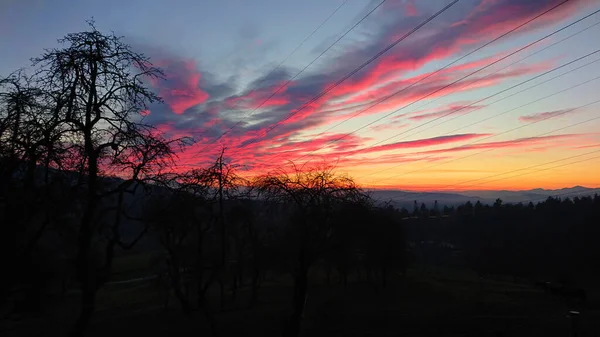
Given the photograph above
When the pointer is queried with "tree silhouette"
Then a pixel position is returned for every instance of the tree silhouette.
(312, 196)
(96, 82)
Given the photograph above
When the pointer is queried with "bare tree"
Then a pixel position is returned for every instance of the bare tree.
(312, 196)
(189, 219)
(250, 243)
(23, 127)
(213, 187)
(29, 137)
(98, 89)
(169, 216)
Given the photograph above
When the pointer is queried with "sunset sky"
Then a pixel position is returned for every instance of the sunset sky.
(530, 120)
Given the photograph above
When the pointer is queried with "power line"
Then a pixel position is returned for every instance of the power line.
(509, 96)
(519, 127)
(353, 72)
(302, 70)
(448, 85)
(512, 87)
(503, 68)
(513, 129)
(518, 107)
(517, 61)
(283, 61)
(445, 67)
(519, 92)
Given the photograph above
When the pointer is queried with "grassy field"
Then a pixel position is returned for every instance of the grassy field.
(433, 302)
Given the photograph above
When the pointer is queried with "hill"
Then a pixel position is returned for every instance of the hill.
(406, 199)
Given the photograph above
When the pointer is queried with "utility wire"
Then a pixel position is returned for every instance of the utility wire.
(445, 67)
(452, 83)
(279, 66)
(323, 93)
(301, 71)
(518, 107)
(510, 130)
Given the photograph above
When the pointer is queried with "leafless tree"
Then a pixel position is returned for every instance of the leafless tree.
(189, 218)
(29, 137)
(312, 195)
(169, 216)
(19, 124)
(248, 230)
(98, 90)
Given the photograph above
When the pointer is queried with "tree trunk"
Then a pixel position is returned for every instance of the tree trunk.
(163, 282)
(223, 233)
(30, 172)
(86, 270)
(300, 289)
(88, 301)
(257, 273)
(222, 292)
(176, 285)
(255, 285)
(234, 286)
(200, 267)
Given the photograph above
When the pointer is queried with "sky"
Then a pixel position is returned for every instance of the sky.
(489, 94)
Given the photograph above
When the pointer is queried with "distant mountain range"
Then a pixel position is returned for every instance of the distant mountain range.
(406, 199)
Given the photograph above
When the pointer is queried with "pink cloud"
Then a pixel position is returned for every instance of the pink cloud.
(493, 16)
(434, 88)
(305, 146)
(411, 8)
(514, 143)
(402, 7)
(451, 109)
(393, 125)
(419, 143)
(181, 89)
(347, 147)
(489, 18)
(540, 116)
(279, 154)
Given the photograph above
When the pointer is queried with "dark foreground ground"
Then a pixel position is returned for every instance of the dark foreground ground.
(426, 302)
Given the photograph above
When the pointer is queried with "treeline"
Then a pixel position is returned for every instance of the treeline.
(83, 179)
(555, 240)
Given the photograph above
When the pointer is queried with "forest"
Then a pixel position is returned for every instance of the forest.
(100, 234)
